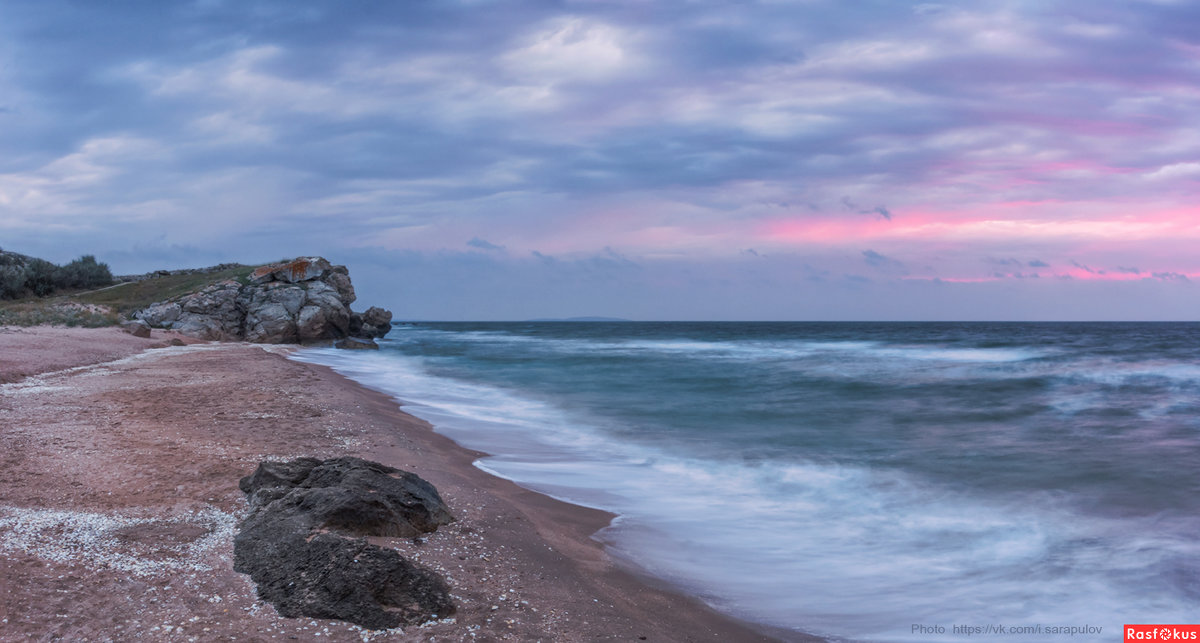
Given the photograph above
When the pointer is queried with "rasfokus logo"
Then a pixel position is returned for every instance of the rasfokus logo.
(1143, 632)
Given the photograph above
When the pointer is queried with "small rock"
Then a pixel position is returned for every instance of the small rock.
(137, 328)
(356, 343)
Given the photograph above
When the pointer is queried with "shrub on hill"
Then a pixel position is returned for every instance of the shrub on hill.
(84, 272)
(21, 276)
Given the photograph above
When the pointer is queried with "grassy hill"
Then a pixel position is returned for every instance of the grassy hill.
(105, 306)
(128, 297)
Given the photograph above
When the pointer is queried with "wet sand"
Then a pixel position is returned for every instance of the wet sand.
(118, 501)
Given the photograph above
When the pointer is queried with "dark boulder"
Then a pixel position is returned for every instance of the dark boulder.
(350, 495)
(276, 476)
(376, 322)
(303, 543)
(327, 576)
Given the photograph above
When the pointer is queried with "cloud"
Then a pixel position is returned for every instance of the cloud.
(879, 209)
(884, 263)
(1086, 268)
(660, 129)
(572, 48)
(1176, 171)
(476, 242)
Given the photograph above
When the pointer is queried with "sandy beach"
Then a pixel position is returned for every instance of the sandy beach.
(119, 462)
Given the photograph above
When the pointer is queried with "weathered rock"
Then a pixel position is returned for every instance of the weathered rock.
(137, 328)
(294, 271)
(212, 313)
(271, 312)
(160, 314)
(327, 576)
(302, 542)
(339, 278)
(305, 300)
(311, 323)
(413, 505)
(277, 474)
(336, 314)
(376, 322)
(356, 343)
(270, 324)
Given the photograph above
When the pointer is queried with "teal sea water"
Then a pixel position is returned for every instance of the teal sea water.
(847, 479)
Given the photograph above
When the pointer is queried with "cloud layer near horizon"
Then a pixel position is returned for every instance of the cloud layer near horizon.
(652, 160)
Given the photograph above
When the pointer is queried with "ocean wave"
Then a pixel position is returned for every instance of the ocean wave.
(844, 549)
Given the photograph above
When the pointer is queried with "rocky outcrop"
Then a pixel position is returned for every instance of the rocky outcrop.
(306, 300)
(304, 542)
(376, 322)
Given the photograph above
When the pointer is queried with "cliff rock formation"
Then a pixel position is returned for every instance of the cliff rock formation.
(305, 300)
(304, 542)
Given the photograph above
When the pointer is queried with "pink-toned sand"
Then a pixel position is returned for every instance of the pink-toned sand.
(119, 463)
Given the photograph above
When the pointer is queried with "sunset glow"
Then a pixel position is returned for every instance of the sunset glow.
(639, 160)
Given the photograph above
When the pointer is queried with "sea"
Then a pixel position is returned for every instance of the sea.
(878, 482)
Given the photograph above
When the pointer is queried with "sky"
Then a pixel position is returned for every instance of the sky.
(769, 160)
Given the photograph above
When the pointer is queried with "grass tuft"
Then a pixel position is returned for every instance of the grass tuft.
(46, 313)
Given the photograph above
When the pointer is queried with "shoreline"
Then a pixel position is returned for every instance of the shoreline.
(568, 529)
(178, 426)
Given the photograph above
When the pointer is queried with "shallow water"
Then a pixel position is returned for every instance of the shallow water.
(852, 480)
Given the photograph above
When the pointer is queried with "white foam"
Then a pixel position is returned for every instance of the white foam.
(838, 550)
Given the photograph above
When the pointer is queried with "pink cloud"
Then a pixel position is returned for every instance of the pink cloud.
(1091, 241)
(1027, 221)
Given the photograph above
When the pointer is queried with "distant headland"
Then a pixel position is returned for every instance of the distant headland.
(305, 300)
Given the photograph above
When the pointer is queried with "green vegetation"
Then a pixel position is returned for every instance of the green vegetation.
(35, 292)
(40, 312)
(136, 295)
(22, 276)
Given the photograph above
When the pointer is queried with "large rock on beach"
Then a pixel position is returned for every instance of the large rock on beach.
(304, 542)
(305, 300)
